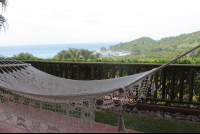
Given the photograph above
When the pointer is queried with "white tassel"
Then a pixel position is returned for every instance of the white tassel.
(153, 86)
(120, 125)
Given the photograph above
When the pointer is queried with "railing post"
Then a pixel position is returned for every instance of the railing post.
(99, 73)
(120, 71)
(60, 70)
(181, 84)
(129, 70)
(138, 70)
(106, 72)
(50, 69)
(85, 72)
(163, 83)
(71, 71)
(191, 85)
(113, 71)
(172, 84)
(92, 72)
(40, 66)
(55, 69)
(45, 67)
(156, 84)
(78, 72)
(66, 71)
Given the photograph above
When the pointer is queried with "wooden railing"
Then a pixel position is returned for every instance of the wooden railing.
(177, 84)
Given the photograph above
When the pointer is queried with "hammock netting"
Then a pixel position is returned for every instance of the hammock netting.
(40, 102)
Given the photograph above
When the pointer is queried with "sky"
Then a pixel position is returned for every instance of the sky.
(38, 22)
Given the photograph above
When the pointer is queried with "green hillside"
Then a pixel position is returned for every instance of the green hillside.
(169, 47)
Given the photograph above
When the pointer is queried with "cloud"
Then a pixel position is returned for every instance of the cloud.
(84, 21)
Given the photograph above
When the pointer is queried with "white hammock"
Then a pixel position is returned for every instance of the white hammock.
(40, 102)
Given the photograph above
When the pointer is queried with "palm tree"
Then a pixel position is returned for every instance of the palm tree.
(3, 21)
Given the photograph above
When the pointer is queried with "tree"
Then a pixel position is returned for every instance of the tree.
(103, 49)
(3, 20)
(24, 55)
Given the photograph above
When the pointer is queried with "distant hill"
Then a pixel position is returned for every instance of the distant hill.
(149, 47)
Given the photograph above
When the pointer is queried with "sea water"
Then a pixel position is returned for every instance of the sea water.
(49, 51)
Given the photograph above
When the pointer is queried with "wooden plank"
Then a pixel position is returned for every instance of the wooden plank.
(113, 71)
(66, 71)
(92, 72)
(85, 72)
(191, 85)
(181, 84)
(55, 69)
(172, 84)
(106, 72)
(99, 73)
(71, 72)
(156, 84)
(60, 70)
(78, 72)
(163, 82)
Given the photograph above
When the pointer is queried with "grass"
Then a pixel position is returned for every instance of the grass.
(147, 124)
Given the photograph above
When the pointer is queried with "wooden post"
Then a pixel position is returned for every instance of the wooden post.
(191, 85)
(106, 72)
(181, 84)
(113, 71)
(156, 84)
(120, 71)
(66, 71)
(99, 73)
(85, 72)
(45, 67)
(50, 69)
(40, 66)
(146, 69)
(78, 72)
(172, 84)
(92, 72)
(138, 70)
(60, 70)
(129, 70)
(163, 83)
(55, 69)
(71, 71)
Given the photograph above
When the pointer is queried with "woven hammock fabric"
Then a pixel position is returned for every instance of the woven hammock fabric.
(40, 102)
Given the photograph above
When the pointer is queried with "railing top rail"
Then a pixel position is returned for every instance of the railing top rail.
(112, 63)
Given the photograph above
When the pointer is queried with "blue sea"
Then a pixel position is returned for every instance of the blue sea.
(49, 51)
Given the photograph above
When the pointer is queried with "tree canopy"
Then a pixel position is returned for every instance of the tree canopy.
(3, 21)
(103, 49)
(73, 53)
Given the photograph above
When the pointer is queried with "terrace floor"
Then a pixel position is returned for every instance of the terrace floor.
(98, 128)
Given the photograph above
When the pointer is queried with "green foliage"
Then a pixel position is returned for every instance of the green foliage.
(181, 61)
(3, 20)
(73, 53)
(167, 48)
(103, 49)
(24, 55)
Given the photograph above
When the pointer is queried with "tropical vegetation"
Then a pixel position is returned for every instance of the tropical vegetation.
(73, 53)
(165, 48)
(3, 21)
(103, 49)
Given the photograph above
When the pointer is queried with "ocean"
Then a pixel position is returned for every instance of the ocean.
(49, 51)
